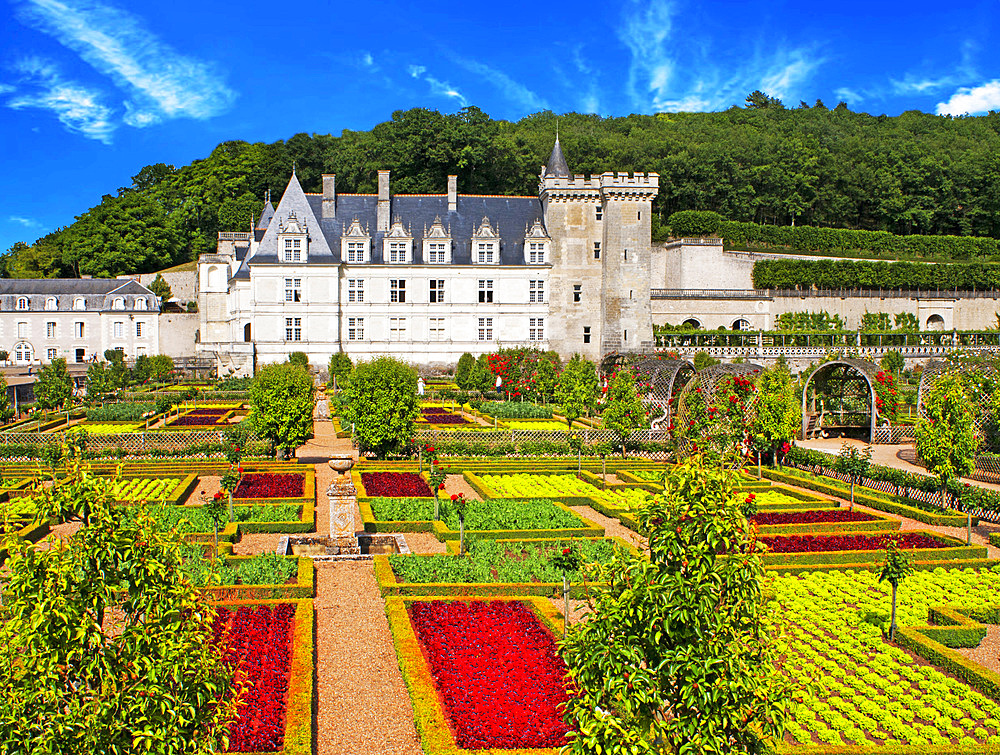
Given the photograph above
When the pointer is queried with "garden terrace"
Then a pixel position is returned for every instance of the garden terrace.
(484, 674)
(391, 484)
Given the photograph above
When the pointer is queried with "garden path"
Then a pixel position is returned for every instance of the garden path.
(362, 702)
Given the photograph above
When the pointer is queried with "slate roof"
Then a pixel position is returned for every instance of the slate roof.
(98, 293)
(510, 216)
(557, 166)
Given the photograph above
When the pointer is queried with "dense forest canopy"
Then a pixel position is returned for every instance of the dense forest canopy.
(910, 174)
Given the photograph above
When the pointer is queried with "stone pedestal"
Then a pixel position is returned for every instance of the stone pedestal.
(343, 497)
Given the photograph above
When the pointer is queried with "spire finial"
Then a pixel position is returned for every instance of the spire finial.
(293, 168)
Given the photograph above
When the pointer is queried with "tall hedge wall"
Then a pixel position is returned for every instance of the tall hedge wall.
(841, 240)
(793, 273)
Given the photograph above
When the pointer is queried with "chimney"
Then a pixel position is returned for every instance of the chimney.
(452, 193)
(329, 196)
(383, 201)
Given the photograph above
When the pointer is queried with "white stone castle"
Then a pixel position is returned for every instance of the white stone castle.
(429, 277)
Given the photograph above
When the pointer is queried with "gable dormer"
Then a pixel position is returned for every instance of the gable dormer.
(355, 243)
(293, 239)
(437, 243)
(397, 244)
(536, 244)
(486, 244)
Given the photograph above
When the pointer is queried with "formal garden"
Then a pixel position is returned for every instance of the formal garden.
(574, 578)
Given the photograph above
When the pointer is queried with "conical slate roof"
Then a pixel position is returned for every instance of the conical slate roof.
(556, 167)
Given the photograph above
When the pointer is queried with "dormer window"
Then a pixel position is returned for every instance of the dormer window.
(486, 244)
(51, 303)
(79, 303)
(536, 244)
(355, 243)
(293, 240)
(397, 245)
(140, 303)
(22, 302)
(118, 303)
(437, 244)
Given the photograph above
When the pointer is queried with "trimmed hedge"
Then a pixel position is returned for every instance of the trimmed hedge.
(881, 524)
(957, 551)
(959, 563)
(304, 586)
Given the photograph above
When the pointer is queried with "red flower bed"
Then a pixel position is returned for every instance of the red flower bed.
(498, 672)
(207, 412)
(395, 484)
(813, 543)
(447, 418)
(258, 638)
(812, 516)
(435, 410)
(268, 485)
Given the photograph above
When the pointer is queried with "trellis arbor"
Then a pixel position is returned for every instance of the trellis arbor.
(980, 379)
(664, 379)
(841, 398)
(716, 409)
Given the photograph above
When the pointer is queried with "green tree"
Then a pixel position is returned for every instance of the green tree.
(152, 680)
(545, 378)
(6, 408)
(702, 359)
(54, 386)
(160, 367)
(117, 369)
(341, 368)
(382, 405)
(853, 462)
(463, 370)
(577, 389)
(161, 288)
(893, 361)
(299, 358)
(624, 412)
(99, 383)
(678, 651)
(778, 416)
(281, 405)
(946, 435)
(895, 567)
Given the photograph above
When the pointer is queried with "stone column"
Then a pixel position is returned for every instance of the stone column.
(343, 497)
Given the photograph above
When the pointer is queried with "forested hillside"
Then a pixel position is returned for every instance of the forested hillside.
(911, 174)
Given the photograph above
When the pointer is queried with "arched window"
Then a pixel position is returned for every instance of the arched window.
(215, 278)
(246, 333)
(692, 323)
(935, 322)
(118, 303)
(79, 303)
(22, 302)
(741, 324)
(140, 303)
(22, 353)
(51, 303)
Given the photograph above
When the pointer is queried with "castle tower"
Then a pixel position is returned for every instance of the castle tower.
(600, 279)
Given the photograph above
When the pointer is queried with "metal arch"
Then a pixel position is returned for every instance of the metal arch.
(663, 376)
(867, 370)
(975, 362)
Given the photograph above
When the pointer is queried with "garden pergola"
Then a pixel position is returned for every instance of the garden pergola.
(845, 392)
(665, 377)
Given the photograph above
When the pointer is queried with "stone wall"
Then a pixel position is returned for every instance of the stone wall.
(183, 284)
(178, 334)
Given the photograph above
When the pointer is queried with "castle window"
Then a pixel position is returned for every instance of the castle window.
(118, 303)
(355, 290)
(625, 337)
(355, 328)
(119, 330)
(436, 294)
(51, 303)
(397, 291)
(485, 292)
(436, 330)
(597, 250)
(577, 292)
(626, 255)
(79, 303)
(140, 330)
(22, 302)
(293, 289)
(355, 251)
(536, 329)
(22, 330)
(293, 250)
(52, 354)
(397, 251)
(22, 353)
(78, 329)
(586, 334)
(50, 330)
(397, 329)
(293, 328)
(436, 252)
(140, 303)
(600, 212)
(638, 215)
(536, 252)
(485, 251)
(485, 328)
(536, 292)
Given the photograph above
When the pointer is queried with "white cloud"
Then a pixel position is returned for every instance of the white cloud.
(512, 90)
(590, 101)
(77, 107)
(669, 72)
(26, 222)
(438, 87)
(980, 99)
(921, 85)
(161, 82)
(368, 61)
(6, 89)
(849, 96)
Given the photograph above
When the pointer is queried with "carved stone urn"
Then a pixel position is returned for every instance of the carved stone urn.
(342, 464)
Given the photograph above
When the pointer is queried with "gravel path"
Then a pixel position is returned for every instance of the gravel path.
(988, 652)
(455, 483)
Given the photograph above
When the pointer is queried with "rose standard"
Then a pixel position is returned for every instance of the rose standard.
(566, 561)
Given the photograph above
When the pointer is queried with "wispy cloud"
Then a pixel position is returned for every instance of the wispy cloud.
(6, 88)
(850, 96)
(512, 90)
(911, 84)
(591, 101)
(658, 81)
(79, 108)
(971, 100)
(26, 222)
(368, 61)
(438, 87)
(161, 83)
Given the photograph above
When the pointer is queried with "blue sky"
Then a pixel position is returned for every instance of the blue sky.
(90, 91)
